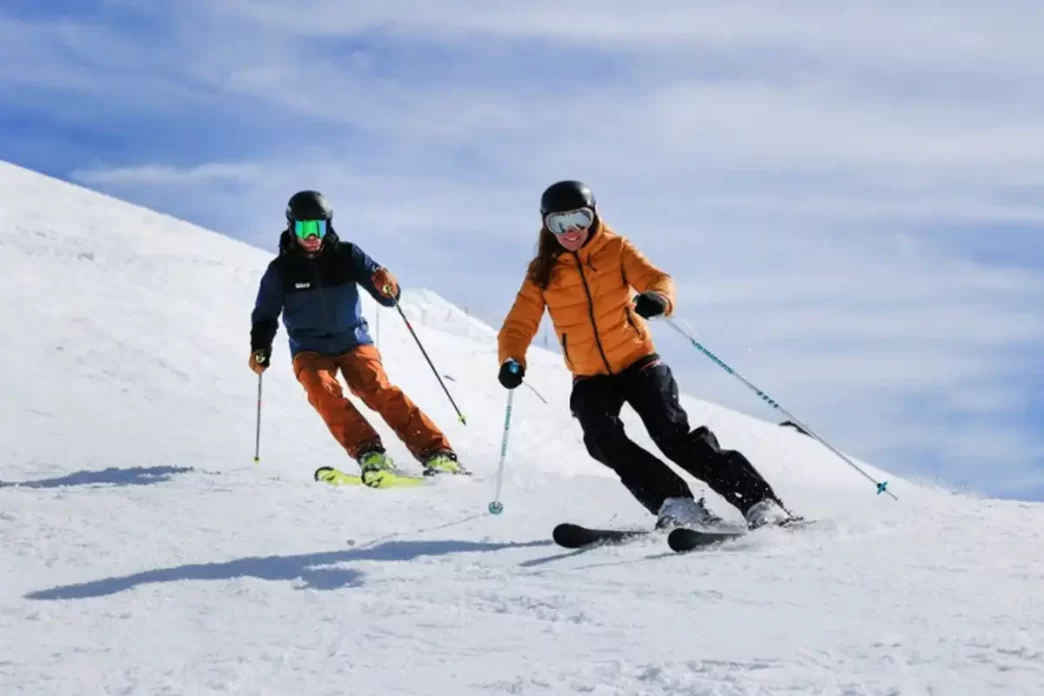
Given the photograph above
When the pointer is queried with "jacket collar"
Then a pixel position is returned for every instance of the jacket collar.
(598, 238)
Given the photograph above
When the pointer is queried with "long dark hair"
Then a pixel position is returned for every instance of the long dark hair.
(542, 265)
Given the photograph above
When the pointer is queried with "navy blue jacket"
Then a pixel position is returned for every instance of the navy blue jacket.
(318, 298)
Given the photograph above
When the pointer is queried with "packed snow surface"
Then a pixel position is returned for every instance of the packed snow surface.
(144, 552)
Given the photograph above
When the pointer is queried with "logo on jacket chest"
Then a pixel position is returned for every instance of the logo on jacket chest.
(302, 286)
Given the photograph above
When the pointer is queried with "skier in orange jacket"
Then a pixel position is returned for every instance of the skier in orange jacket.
(585, 274)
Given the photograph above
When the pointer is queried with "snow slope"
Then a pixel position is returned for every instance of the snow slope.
(145, 553)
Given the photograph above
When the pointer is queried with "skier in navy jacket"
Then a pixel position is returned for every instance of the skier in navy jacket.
(313, 283)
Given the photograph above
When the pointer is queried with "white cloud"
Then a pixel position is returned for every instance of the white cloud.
(156, 175)
(847, 194)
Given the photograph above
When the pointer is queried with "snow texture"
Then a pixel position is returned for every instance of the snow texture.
(144, 552)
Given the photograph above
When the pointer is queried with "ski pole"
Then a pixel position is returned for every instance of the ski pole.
(532, 389)
(882, 486)
(496, 507)
(257, 436)
(460, 416)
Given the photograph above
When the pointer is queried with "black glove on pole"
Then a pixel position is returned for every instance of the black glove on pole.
(650, 304)
(511, 373)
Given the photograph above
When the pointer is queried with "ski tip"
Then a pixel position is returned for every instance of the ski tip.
(570, 535)
(576, 536)
(684, 539)
(561, 534)
(565, 528)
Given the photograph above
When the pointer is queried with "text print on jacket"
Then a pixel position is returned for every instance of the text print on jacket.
(318, 298)
(590, 303)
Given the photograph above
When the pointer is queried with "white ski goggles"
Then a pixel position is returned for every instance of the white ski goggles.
(560, 223)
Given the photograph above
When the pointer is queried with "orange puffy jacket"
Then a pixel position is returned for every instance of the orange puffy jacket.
(590, 300)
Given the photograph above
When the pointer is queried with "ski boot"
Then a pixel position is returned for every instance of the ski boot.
(376, 467)
(768, 511)
(686, 512)
(444, 462)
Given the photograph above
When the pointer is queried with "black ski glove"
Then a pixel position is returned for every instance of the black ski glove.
(511, 373)
(650, 304)
(259, 359)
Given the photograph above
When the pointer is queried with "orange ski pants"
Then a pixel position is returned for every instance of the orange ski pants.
(365, 376)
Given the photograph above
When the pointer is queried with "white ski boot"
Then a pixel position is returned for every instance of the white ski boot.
(685, 512)
(768, 511)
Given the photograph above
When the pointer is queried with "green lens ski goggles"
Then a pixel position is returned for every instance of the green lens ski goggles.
(310, 228)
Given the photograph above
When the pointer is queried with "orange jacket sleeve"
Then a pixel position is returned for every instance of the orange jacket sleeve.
(644, 276)
(521, 323)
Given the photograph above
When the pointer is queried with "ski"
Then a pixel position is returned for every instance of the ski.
(575, 536)
(377, 479)
(683, 539)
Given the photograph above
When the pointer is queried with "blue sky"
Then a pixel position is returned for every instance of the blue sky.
(849, 195)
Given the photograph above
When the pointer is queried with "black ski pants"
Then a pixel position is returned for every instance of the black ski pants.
(650, 388)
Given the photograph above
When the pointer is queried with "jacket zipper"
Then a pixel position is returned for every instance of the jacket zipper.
(590, 311)
(317, 272)
(565, 349)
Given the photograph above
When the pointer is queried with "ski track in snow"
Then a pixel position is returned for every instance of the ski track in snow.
(145, 553)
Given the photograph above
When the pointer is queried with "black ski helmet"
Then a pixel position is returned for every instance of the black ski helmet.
(566, 195)
(308, 205)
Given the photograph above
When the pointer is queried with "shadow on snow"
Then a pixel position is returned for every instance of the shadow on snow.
(134, 476)
(307, 567)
